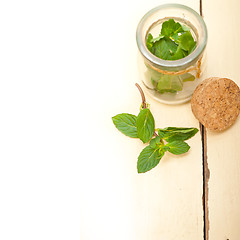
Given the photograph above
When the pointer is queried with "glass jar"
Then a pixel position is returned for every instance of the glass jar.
(171, 81)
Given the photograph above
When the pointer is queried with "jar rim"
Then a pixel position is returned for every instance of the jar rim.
(141, 42)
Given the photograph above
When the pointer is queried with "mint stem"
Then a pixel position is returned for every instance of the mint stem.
(142, 95)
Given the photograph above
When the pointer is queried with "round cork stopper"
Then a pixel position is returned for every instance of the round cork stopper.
(216, 103)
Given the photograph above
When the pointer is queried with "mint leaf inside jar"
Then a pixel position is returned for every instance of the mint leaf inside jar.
(175, 41)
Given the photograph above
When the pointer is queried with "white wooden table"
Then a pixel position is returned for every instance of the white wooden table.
(66, 172)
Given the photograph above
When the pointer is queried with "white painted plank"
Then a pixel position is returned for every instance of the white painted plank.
(165, 203)
(222, 18)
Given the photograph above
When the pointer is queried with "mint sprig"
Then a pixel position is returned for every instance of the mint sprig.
(159, 140)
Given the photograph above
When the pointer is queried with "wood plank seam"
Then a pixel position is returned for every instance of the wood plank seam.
(206, 171)
(206, 176)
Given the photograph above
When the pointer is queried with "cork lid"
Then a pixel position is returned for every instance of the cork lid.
(216, 103)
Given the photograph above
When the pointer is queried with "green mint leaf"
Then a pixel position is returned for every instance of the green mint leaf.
(175, 37)
(171, 27)
(155, 142)
(157, 38)
(178, 129)
(193, 48)
(169, 83)
(161, 133)
(179, 53)
(178, 134)
(149, 42)
(186, 42)
(126, 123)
(165, 48)
(145, 125)
(148, 159)
(165, 148)
(178, 147)
(170, 137)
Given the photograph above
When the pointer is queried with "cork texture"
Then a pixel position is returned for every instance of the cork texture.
(216, 103)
